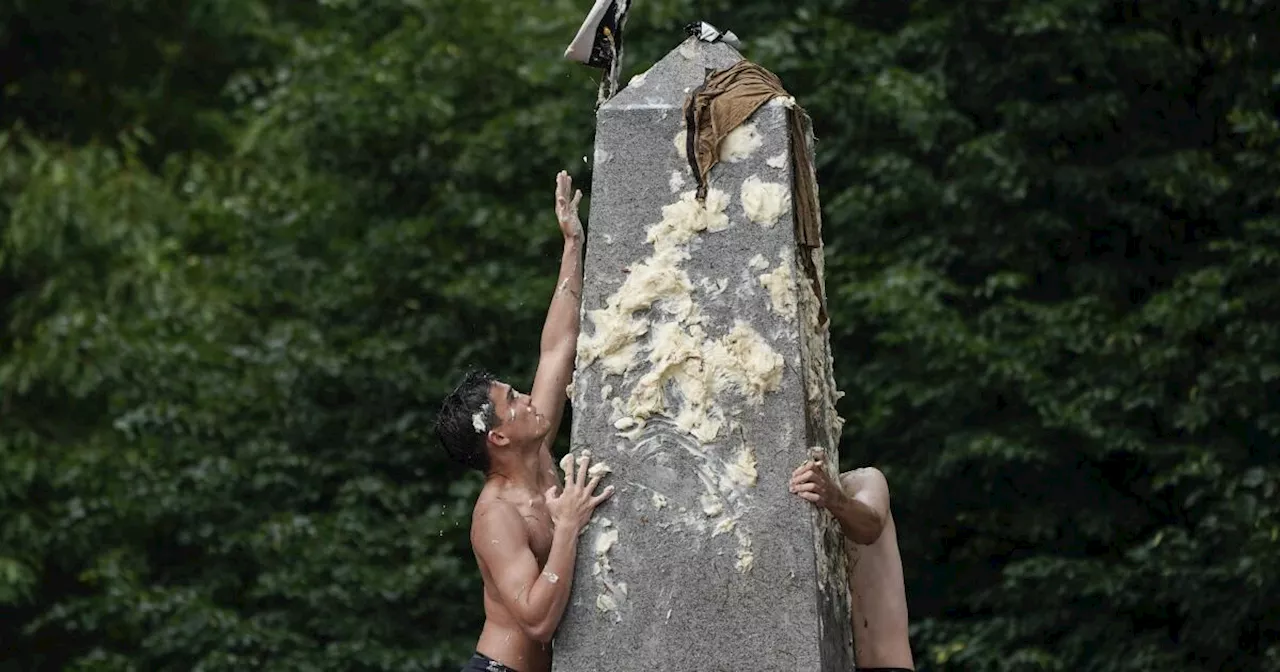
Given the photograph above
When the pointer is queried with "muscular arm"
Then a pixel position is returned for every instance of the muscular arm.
(560, 331)
(864, 510)
(559, 342)
(502, 545)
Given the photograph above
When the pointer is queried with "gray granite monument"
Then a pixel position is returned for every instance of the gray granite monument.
(703, 379)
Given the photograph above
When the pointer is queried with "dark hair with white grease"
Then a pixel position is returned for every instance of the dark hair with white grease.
(466, 407)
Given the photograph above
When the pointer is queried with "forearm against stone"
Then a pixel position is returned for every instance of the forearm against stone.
(561, 328)
(550, 594)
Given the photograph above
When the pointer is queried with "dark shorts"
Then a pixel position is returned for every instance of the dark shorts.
(482, 663)
(884, 669)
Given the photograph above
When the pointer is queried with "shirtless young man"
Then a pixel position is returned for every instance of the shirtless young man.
(860, 501)
(525, 535)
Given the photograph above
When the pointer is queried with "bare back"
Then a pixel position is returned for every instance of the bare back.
(879, 601)
(877, 590)
(502, 638)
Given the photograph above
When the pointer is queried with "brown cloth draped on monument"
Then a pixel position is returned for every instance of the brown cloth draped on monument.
(726, 99)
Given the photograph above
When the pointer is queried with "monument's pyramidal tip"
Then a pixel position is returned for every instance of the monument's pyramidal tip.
(670, 80)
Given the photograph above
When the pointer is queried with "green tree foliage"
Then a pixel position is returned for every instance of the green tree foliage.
(246, 246)
(81, 70)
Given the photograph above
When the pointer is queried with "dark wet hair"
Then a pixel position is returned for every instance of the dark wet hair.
(455, 424)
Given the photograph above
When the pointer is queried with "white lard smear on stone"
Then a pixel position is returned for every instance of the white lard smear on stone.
(821, 397)
(780, 284)
(765, 202)
(676, 183)
(613, 593)
(741, 143)
(688, 370)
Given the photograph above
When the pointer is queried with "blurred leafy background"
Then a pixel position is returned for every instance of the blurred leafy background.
(247, 245)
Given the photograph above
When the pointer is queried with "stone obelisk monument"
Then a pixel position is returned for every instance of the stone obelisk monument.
(703, 379)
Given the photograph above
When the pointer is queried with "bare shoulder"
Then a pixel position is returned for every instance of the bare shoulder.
(866, 477)
(494, 517)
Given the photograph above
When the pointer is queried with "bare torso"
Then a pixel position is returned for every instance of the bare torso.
(879, 602)
(502, 639)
